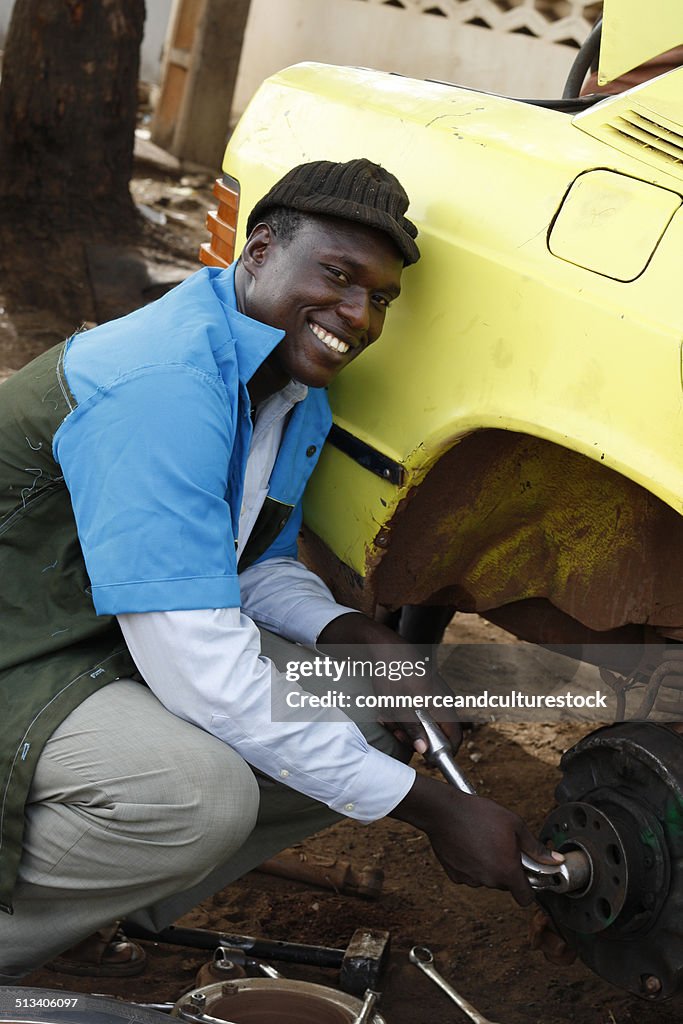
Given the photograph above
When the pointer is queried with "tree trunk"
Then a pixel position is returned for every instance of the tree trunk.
(68, 101)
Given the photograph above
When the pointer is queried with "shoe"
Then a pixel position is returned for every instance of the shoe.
(105, 953)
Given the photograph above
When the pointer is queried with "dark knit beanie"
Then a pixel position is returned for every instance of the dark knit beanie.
(358, 190)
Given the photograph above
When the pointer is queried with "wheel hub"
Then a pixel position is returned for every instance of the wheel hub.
(620, 803)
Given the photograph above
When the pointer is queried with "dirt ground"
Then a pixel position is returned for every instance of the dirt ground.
(478, 937)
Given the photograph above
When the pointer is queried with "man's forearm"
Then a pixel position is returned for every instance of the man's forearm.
(206, 666)
(285, 597)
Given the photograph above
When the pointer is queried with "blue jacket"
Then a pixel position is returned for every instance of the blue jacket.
(122, 462)
(159, 440)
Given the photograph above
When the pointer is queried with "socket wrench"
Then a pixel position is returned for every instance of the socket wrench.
(439, 752)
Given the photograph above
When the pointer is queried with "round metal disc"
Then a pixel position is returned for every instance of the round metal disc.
(582, 826)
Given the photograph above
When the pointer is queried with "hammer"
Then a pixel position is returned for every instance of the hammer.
(360, 965)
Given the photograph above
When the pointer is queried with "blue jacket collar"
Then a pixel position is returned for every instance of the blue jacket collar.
(253, 340)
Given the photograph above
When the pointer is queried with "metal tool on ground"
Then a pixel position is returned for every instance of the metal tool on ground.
(365, 1014)
(268, 970)
(439, 752)
(222, 967)
(423, 958)
(360, 965)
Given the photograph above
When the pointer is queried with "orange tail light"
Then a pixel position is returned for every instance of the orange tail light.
(222, 224)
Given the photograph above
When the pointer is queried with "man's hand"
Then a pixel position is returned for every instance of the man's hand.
(477, 841)
(382, 644)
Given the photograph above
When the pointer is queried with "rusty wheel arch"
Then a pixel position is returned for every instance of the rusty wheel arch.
(535, 536)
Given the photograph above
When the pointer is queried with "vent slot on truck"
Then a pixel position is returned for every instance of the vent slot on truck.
(638, 131)
(645, 123)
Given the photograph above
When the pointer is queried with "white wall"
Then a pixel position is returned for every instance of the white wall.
(156, 22)
(410, 42)
(5, 11)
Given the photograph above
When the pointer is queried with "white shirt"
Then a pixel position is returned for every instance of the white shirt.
(206, 665)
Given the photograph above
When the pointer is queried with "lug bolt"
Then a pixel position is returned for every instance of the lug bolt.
(198, 999)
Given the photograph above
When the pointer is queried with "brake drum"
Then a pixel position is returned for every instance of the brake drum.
(269, 1001)
(620, 801)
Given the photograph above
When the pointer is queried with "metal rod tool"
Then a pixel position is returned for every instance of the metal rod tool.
(423, 958)
(365, 1014)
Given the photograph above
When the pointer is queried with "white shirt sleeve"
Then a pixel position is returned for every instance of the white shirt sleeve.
(206, 667)
(282, 595)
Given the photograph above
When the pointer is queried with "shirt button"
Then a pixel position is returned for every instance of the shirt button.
(284, 774)
(349, 807)
(311, 450)
(283, 522)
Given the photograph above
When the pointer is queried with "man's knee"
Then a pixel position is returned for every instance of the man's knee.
(153, 790)
(216, 811)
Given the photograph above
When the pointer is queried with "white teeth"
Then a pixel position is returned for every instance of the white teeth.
(329, 339)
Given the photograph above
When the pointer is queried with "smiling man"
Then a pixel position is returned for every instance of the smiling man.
(333, 275)
(151, 476)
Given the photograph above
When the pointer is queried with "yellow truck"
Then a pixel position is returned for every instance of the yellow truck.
(513, 445)
(517, 434)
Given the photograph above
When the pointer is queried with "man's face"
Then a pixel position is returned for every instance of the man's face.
(328, 288)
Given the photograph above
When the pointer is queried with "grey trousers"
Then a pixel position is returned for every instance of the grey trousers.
(134, 808)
